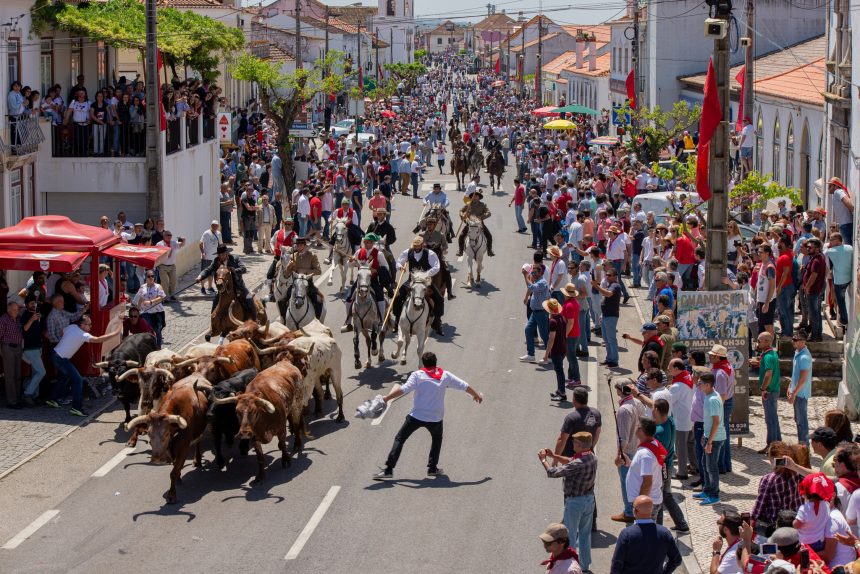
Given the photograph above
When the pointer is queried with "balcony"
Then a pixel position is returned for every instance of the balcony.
(127, 140)
(22, 137)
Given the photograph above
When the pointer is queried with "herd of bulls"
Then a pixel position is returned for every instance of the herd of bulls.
(254, 387)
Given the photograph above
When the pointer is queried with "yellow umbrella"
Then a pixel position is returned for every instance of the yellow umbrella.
(560, 125)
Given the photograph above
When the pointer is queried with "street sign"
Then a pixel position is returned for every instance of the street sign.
(303, 130)
(225, 121)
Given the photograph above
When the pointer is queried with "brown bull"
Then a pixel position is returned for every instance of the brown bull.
(258, 334)
(272, 400)
(228, 360)
(176, 426)
(154, 384)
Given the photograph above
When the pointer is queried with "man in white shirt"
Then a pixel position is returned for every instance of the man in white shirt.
(167, 268)
(645, 469)
(747, 143)
(428, 407)
(209, 242)
(303, 211)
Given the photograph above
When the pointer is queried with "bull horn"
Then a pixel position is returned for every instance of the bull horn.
(226, 400)
(187, 362)
(236, 322)
(311, 348)
(263, 352)
(138, 420)
(227, 360)
(127, 374)
(270, 408)
(166, 374)
(101, 365)
(270, 340)
(263, 330)
(132, 364)
(177, 420)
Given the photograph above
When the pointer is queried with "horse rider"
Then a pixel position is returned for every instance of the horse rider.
(223, 257)
(379, 276)
(492, 143)
(419, 258)
(284, 237)
(346, 212)
(382, 227)
(435, 241)
(306, 263)
(478, 209)
(437, 197)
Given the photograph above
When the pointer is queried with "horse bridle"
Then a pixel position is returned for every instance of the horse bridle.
(308, 306)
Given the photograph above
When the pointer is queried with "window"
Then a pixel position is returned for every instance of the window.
(101, 61)
(777, 150)
(439, 41)
(46, 64)
(75, 60)
(13, 61)
(759, 143)
(789, 154)
(16, 196)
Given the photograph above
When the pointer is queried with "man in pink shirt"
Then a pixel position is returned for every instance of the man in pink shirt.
(570, 312)
(519, 202)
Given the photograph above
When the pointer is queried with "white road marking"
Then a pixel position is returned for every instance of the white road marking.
(312, 524)
(109, 465)
(31, 529)
(591, 374)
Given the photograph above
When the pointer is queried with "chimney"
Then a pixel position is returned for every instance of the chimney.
(592, 54)
(580, 42)
(631, 6)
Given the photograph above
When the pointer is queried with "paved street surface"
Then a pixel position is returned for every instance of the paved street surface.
(325, 514)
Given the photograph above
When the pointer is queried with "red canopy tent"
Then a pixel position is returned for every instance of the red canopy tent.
(56, 243)
(546, 111)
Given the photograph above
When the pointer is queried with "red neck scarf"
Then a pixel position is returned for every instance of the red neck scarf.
(435, 374)
(656, 338)
(685, 378)
(656, 448)
(724, 366)
(850, 481)
(577, 455)
(565, 554)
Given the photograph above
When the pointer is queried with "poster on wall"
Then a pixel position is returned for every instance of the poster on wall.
(224, 125)
(708, 318)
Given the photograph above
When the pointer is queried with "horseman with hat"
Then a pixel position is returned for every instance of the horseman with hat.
(348, 214)
(382, 227)
(419, 258)
(305, 262)
(436, 242)
(479, 210)
(380, 275)
(223, 257)
(283, 238)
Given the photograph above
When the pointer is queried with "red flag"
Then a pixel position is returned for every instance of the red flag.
(741, 79)
(712, 115)
(498, 65)
(631, 90)
(163, 123)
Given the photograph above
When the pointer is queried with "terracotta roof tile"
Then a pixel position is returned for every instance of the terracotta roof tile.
(603, 66)
(601, 32)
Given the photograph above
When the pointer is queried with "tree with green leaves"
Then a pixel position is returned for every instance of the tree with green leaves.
(408, 73)
(755, 190)
(653, 128)
(184, 37)
(284, 96)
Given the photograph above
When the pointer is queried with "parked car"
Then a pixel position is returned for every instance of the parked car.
(363, 138)
(342, 127)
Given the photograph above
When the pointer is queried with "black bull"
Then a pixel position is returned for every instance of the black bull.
(130, 353)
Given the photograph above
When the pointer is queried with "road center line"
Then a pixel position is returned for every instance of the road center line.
(312, 524)
(31, 529)
(109, 465)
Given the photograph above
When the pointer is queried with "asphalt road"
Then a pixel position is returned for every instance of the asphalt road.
(325, 513)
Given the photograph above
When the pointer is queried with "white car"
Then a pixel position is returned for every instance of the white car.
(363, 138)
(660, 201)
(342, 127)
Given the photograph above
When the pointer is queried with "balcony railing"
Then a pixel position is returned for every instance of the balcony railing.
(93, 140)
(24, 135)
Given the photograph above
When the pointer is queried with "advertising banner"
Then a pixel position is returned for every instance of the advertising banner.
(708, 318)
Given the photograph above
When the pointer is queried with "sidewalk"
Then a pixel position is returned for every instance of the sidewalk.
(26, 433)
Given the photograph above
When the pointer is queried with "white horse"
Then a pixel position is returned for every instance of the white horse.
(415, 318)
(341, 252)
(367, 317)
(282, 279)
(475, 250)
(300, 311)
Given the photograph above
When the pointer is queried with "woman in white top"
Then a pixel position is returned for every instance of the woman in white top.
(440, 156)
(734, 237)
(148, 299)
(104, 289)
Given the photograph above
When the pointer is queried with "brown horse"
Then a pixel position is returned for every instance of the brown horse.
(229, 312)
(455, 136)
(496, 168)
(459, 167)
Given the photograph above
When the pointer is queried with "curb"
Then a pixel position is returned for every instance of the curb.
(688, 557)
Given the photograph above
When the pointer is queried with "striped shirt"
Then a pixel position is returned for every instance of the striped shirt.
(579, 474)
(11, 332)
(58, 320)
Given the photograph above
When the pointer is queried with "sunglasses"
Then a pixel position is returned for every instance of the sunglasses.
(133, 316)
(150, 276)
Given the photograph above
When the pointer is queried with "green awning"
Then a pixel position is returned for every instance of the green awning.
(576, 109)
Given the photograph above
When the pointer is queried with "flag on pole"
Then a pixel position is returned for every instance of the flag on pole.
(361, 79)
(712, 115)
(631, 90)
(741, 79)
(163, 123)
(498, 65)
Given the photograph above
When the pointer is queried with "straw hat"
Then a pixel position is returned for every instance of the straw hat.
(552, 306)
(570, 290)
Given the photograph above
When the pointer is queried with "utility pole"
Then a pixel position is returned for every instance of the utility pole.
(508, 59)
(749, 65)
(636, 79)
(391, 45)
(360, 71)
(298, 16)
(539, 67)
(718, 205)
(154, 200)
(325, 68)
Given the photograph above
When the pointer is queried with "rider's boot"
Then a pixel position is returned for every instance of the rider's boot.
(489, 245)
(347, 323)
(461, 241)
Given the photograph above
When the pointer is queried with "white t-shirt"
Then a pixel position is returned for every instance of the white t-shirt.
(72, 340)
(616, 249)
(428, 402)
(729, 562)
(80, 111)
(748, 136)
(816, 525)
(171, 255)
(681, 406)
(644, 463)
(303, 206)
(841, 214)
(838, 525)
(558, 277)
(210, 242)
(852, 513)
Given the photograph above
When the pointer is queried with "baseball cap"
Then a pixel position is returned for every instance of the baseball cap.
(649, 327)
(785, 536)
(554, 532)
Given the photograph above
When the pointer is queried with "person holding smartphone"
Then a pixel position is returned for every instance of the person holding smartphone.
(33, 327)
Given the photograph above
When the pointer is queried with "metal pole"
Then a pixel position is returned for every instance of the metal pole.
(391, 45)
(539, 68)
(718, 205)
(360, 74)
(298, 16)
(636, 78)
(154, 203)
(749, 65)
(325, 68)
